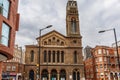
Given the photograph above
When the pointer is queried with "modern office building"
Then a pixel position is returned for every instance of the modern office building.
(60, 56)
(9, 23)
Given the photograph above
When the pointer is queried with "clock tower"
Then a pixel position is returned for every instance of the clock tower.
(72, 19)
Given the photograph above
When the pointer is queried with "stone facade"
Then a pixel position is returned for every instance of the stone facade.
(60, 56)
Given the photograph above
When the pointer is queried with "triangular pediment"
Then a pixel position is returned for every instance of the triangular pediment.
(53, 38)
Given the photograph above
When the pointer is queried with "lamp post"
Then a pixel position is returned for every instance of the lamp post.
(115, 44)
(40, 47)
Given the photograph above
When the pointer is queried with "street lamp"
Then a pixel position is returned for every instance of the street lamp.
(39, 48)
(115, 43)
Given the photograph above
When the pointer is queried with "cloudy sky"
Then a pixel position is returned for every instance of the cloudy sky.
(95, 15)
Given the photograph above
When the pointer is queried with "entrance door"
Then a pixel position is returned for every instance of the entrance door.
(53, 75)
(44, 74)
(31, 75)
(62, 75)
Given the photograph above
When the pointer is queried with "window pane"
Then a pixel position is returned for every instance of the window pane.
(53, 56)
(58, 56)
(73, 23)
(1, 1)
(45, 56)
(49, 55)
(4, 4)
(32, 55)
(99, 51)
(62, 56)
(13, 68)
(5, 34)
(75, 57)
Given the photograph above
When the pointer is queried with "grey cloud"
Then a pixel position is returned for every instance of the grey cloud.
(94, 15)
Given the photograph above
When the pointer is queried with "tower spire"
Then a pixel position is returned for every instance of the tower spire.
(72, 19)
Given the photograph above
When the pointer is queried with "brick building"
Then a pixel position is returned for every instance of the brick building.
(9, 21)
(105, 64)
(13, 68)
(89, 64)
(60, 56)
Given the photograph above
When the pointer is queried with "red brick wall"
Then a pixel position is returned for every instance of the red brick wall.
(13, 22)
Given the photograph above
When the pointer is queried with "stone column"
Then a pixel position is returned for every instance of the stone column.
(109, 77)
(48, 76)
(58, 76)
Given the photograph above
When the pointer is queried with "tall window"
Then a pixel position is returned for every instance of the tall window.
(99, 51)
(73, 24)
(13, 68)
(58, 56)
(8, 68)
(45, 56)
(75, 57)
(49, 56)
(5, 34)
(32, 56)
(76, 75)
(4, 7)
(53, 56)
(62, 56)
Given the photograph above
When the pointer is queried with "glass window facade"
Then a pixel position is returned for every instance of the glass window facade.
(4, 7)
(5, 34)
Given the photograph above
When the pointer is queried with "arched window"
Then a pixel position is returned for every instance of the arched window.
(49, 56)
(31, 75)
(75, 56)
(49, 41)
(73, 25)
(58, 41)
(62, 75)
(62, 43)
(53, 56)
(44, 74)
(4, 7)
(53, 74)
(45, 43)
(58, 56)
(76, 74)
(45, 56)
(62, 56)
(32, 56)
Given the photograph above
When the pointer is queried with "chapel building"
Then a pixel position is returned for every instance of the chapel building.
(60, 56)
